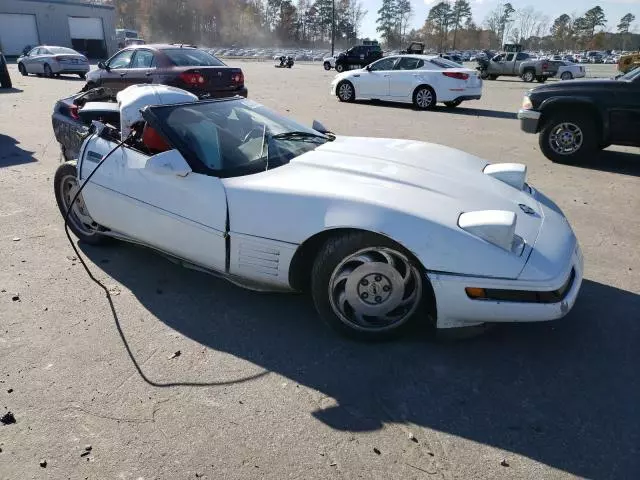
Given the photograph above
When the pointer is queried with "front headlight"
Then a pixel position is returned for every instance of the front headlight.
(497, 227)
(526, 103)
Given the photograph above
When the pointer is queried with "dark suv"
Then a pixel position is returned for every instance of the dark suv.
(358, 56)
(180, 66)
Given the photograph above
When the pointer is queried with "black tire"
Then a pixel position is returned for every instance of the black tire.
(339, 68)
(566, 76)
(22, 69)
(484, 75)
(327, 66)
(88, 86)
(452, 104)
(83, 76)
(346, 92)
(327, 266)
(47, 72)
(589, 135)
(421, 98)
(61, 186)
(528, 75)
(541, 79)
(5, 81)
(492, 77)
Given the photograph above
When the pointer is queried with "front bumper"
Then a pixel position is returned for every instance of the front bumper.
(529, 120)
(455, 309)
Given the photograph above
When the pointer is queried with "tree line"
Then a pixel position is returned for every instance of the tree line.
(244, 22)
(450, 26)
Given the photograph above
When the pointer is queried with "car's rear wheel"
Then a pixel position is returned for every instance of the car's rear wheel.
(492, 77)
(528, 76)
(484, 74)
(452, 104)
(47, 71)
(65, 184)
(327, 66)
(567, 138)
(424, 97)
(566, 76)
(541, 79)
(346, 91)
(339, 68)
(368, 287)
(22, 69)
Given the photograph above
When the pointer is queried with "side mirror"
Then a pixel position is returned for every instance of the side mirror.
(318, 127)
(170, 162)
(368, 68)
(102, 66)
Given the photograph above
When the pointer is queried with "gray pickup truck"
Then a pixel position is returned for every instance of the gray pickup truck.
(516, 64)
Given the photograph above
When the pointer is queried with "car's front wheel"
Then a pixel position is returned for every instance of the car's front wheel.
(339, 68)
(346, 91)
(22, 69)
(567, 138)
(47, 71)
(367, 287)
(65, 184)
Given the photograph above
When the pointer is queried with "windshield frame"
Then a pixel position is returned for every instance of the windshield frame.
(155, 115)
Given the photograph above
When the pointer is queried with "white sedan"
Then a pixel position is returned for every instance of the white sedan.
(419, 79)
(569, 70)
(49, 61)
(385, 233)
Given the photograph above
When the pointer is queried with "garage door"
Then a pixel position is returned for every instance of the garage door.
(86, 28)
(16, 32)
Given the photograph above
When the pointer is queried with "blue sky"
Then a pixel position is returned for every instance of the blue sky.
(613, 9)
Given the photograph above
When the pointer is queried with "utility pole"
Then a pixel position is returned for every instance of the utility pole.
(333, 26)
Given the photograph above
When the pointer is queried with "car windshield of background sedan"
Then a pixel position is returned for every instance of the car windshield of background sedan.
(234, 137)
(189, 57)
(62, 50)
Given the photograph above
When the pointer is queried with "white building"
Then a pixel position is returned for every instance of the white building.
(83, 26)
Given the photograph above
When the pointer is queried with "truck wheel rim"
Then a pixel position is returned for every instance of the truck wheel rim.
(375, 289)
(345, 91)
(79, 215)
(528, 76)
(566, 138)
(424, 98)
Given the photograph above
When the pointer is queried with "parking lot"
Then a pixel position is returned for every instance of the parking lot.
(201, 379)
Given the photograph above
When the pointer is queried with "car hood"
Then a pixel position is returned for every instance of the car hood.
(425, 187)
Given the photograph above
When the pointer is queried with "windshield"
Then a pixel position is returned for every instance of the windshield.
(233, 137)
(191, 57)
(68, 51)
(631, 76)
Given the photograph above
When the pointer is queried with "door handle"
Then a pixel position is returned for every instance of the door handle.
(387, 75)
(123, 74)
(148, 74)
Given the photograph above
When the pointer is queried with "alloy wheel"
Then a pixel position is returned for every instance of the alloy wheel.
(79, 214)
(345, 92)
(424, 98)
(566, 138)
(375, 289)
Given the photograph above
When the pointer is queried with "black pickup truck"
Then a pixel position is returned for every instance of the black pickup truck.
(575, 119)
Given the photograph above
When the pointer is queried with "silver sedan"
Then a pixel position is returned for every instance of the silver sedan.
(50, 61)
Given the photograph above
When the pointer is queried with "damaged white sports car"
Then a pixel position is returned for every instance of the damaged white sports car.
(385, 233)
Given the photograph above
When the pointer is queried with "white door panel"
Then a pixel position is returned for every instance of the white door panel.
(16, 32)
(184, 216)
(402, 84)
(374, 84)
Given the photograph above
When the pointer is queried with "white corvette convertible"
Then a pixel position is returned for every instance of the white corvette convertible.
(422, 80)
(385, 233)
